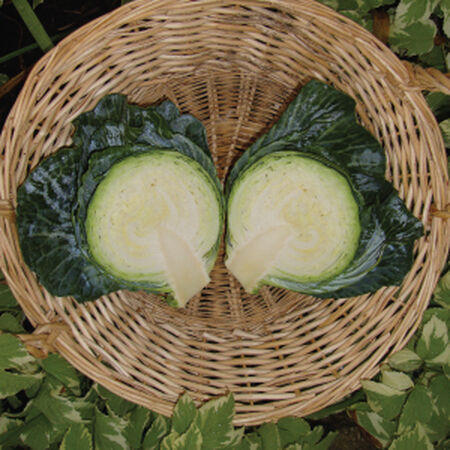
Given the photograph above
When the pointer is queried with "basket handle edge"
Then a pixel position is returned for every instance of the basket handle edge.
(428, 79)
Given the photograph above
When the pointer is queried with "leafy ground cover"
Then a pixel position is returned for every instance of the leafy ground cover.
(45, 403)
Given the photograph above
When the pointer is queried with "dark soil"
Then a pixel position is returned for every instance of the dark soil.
(59, 18)
(350, 436)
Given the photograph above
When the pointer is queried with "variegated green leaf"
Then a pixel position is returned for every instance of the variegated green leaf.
(77, 437)
(13, 353)
(138, 421)
(443, 314)
(412, 11)
(446, 370)
(445, 7)
(439, 424)
(270, 437)
(439, 389)
(7, 299)
(39, 433)
(109, 432)
(214, 420)
(85, 407)
(33, 390)
(442, 291)
(396, 380)
(313, 439)
(10, 324)
(58, 367)
(415, 439)
(190, 440)
(383, 399)
(432, 345)
(291, 428)
(59, 410)
(444, 126)
(51, 385)
(417, 408)
(250, 441)
(158, 429)
(414, 39)
(116, 404)
(7, 423)
(168, 442)
(439, 104)
(12, 383)
(381, 429)
(360, 406)
(184, 414)
(405, 360)
(9, 432)
(444, 445)
(325, 443)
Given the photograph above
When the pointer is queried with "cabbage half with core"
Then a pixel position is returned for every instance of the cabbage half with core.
(290, 216)
(155, 218)
(309, 208)
(134, 204)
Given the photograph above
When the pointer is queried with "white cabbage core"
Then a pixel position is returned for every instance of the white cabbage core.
(153, 218)
(290, 217)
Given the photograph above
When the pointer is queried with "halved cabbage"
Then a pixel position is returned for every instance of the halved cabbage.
(290, 217)
(54, 199)
(155, 218)
(320, 124)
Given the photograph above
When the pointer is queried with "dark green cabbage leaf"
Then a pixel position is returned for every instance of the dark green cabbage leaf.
(321, 122)
(49, 208)
(46, 233)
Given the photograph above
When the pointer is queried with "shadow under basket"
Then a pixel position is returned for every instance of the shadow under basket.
(235, 65)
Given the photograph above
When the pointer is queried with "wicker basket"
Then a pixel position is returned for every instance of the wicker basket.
(235, 65)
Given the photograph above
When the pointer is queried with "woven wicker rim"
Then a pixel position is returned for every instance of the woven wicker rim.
(280, 353)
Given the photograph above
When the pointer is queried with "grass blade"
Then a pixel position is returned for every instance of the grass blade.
(33, 24)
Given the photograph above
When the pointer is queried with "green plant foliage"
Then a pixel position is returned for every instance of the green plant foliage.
(380, 428)
(77, 436)
(33, 24)
(408, 406)
(445, 130)
(413, 25)
(383, 399)
(414, 39)
(439, 104)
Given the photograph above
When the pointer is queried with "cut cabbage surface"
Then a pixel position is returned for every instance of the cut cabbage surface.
(156, 218)
(290, 217)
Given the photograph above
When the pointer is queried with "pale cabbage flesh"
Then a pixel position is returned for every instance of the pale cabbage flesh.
(155, 218)
(290, 217)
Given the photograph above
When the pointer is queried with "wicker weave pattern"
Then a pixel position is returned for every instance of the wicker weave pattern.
(280, 353)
